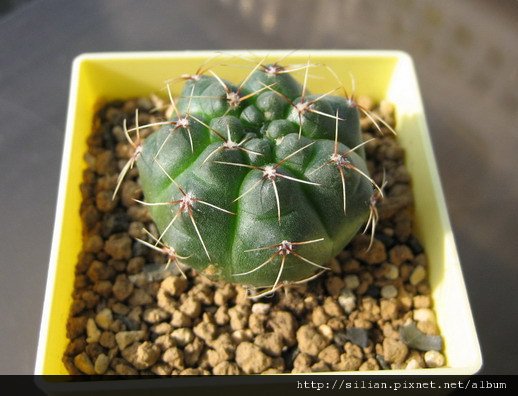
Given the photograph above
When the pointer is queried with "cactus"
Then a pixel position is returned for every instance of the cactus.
(260, 183)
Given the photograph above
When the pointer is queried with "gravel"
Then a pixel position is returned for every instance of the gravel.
(371, 311)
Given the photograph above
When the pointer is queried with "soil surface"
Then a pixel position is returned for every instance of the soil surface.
(130, 315)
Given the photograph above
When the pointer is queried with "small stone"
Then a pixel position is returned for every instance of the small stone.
(427, 327)
(90, 298)
(146, 355)
(174, 357)
(251, 359)
(434, 359)
(270, 343)
(182, 336)
(311, 302)
(135, 265)
(351, 349)
(107, 340)
(369, 365)
(334, 284)
(293, 301)
(129, 192)
(284, 323)
(389, 291)
(422, 302)
(136, 230)
(165, 341)
(414, 361)
(133, 320)
(162, 328)
(165, 301)
(326, 331)
(174, 285)
(93, 350)
(208, 359)
(104, 201)
(93, 244)
(118, 246)
(103, 288)
(90, 216)
(203, 293)
(161, 369)
(310, 341)
(104, 318)
(377, 254)
(179, 319)
(105, 163)
(224, 294)
(302, 363)
(205, 330)
(139, 297)
(348, 363)
(92, 332)
(101, 364)
(77, 307)
(319, 316)
(192, 352)
(226, 368)
(424, 315)
(347, 300)
(239, 317)
(260, 308)
(390, 271)
(155, 315)
(330, 355)
(394, 351)
(417, 275)
(191, 307)
(239, 336)
(83, 363)
(221, 316)
(76, 326)
(320, 367)
(120, 308)
(139, 213)
(75, 346)
(241, 295)
(350, 265)
(257, 323)
(126, 338)
(389, 309)
(332, 307)
(352, 282)
(122, 288)
(224, 346)
(400, 254)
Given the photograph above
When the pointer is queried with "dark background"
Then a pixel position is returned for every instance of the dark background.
(466, 58)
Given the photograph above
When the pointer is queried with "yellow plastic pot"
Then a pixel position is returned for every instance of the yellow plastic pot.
(379, 74)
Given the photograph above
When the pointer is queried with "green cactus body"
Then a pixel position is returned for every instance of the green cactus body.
(268, 160)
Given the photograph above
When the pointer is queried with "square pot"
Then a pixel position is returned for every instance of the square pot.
(388, 75)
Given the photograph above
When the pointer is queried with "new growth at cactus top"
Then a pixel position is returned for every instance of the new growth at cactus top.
(258, 182)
